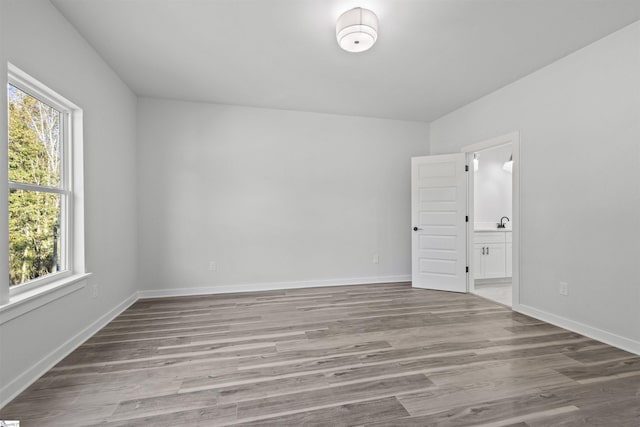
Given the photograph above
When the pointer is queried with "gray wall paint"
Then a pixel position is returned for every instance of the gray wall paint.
(46, 46)
(272, 196)
(579, 120)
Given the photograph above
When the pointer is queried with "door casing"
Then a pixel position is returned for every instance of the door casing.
(512, 138)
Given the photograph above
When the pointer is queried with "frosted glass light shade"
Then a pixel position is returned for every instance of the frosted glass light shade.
(357, 30)
(508, 165)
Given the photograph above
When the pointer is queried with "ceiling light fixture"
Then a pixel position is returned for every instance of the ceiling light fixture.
(357, 30)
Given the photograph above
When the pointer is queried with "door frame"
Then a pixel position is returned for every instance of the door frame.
(512, 138)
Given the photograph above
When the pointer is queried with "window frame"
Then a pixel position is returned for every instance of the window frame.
(70, 113)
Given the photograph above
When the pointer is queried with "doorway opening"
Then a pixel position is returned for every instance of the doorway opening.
(492, 235)
(492, 230)
(445, 255)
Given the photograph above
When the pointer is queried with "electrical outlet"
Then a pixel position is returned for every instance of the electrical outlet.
(213, 266)
(563, 289)
(94, 290)
(376, 259)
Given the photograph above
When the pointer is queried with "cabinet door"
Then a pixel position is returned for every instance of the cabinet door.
(494, 261)
(478, 270)
(509, 260)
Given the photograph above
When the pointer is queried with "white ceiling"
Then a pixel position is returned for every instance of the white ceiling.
(432, 56)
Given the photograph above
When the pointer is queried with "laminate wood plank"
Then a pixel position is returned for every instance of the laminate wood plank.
(603, 371)
(537, 338)
(452, 333)
(198, 299)
(203, 343)
(211, 308)
(269, 373)
(476, 388)
(332, 396)
(138, 320)
(599, 393)
(421, 308)
(185, 362)
(385, 410)
(501, 369)
(260, 390)
(167, 337)
(537, 327)
(189, 322)
(514, 409)
(158, 331)
(385, 323)
(599, 355)
(218, 353)
(389, 304)
(418, 312)
(209, 416)
(284, 357)
(166, 404)
(620, 412)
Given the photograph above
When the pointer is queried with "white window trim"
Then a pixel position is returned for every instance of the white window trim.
(27, 301)
(56, 284)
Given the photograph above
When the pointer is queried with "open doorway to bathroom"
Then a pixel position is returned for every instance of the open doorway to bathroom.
(491, 233)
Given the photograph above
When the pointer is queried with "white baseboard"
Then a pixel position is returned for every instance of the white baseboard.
(24, 380)
(254, 287)
(580, 328)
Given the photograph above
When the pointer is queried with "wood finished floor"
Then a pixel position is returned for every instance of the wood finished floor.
(373, 355)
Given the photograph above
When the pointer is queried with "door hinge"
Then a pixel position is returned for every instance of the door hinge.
(466, 168)
(466, 218)
(467, 269)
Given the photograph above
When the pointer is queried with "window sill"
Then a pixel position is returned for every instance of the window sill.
(28, 301)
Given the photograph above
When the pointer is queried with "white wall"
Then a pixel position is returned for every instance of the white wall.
(579, 120)
(492, 187)
(42, 43)
(271, 196)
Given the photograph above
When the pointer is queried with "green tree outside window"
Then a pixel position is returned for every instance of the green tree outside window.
(34, 216)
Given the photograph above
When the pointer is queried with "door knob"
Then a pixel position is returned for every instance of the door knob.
(416, 228)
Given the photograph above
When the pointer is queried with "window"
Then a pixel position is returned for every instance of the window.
(41, 190)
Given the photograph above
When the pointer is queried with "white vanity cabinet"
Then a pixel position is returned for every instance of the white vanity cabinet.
(492, 254)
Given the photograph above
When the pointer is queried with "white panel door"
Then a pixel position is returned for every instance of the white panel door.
(438, 210)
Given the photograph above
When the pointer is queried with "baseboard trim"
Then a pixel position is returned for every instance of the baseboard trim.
(272, 286)
(580, 328)
(19, 384)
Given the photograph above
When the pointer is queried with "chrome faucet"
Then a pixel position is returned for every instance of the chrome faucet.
(502, 224)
